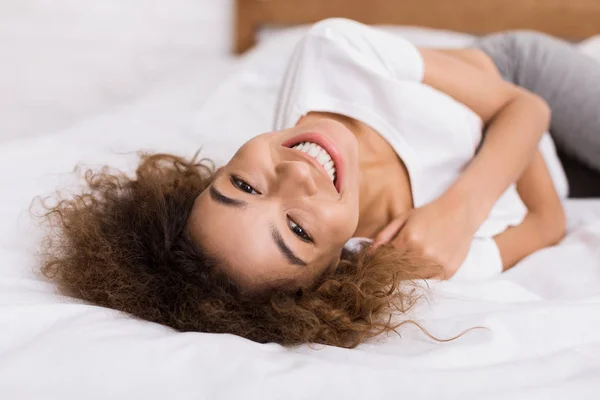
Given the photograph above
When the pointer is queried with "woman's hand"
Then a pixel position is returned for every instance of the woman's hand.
(440, 231)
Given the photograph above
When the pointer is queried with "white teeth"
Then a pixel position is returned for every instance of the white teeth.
(320, 154)
(314, 150)
(323, 157)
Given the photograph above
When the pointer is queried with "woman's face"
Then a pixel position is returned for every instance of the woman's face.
(274, 212)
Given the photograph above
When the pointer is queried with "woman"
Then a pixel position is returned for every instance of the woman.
(373, 138)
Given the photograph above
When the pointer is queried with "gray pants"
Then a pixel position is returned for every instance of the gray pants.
(566, 78)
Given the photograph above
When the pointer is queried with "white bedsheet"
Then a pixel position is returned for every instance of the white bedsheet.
(543, 317)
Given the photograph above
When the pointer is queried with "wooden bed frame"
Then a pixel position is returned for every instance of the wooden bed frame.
(571, 19)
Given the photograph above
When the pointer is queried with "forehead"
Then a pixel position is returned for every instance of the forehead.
(242, 238)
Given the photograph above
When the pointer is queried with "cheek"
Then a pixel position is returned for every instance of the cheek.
(340, 222)
(259, 143)
(250, 151)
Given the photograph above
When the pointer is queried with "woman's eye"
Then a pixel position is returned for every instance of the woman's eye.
(243, 186)
(299, 231)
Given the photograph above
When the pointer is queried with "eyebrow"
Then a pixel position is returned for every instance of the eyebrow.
(228, 201)
(285, 250)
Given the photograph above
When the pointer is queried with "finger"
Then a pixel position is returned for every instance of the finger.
(391, 229)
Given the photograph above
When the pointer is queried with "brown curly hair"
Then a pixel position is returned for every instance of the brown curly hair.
(122, 244)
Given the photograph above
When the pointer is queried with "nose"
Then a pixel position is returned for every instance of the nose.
(295, 178)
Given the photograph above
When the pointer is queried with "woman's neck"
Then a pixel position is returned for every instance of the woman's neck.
(384, 189)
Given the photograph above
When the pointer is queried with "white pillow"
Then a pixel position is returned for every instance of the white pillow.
(63, 61)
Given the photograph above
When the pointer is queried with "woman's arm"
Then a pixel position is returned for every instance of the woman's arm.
(515, 120)
(545, 222)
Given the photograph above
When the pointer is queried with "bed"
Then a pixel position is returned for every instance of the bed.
(542, 318)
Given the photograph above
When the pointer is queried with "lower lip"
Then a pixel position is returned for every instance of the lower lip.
(329, 147)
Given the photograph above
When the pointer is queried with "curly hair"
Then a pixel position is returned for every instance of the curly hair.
(122, 244)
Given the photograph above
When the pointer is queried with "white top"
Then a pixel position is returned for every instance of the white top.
(344, 67)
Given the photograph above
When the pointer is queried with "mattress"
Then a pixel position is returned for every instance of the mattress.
(541, 320)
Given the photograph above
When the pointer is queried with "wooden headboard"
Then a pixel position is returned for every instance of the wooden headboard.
(571, 19)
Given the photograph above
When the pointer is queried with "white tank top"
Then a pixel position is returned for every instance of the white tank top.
(344, 67)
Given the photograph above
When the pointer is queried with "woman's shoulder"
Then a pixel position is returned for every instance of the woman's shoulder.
(338, 26)
(341, 40)
(343, 30)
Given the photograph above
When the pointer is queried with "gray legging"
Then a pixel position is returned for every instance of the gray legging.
(566, 78)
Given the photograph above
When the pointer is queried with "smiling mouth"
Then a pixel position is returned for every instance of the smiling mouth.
(320, 155)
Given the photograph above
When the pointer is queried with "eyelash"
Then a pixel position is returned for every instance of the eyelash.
(299, 231)
(243, 185)
(296, 228)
